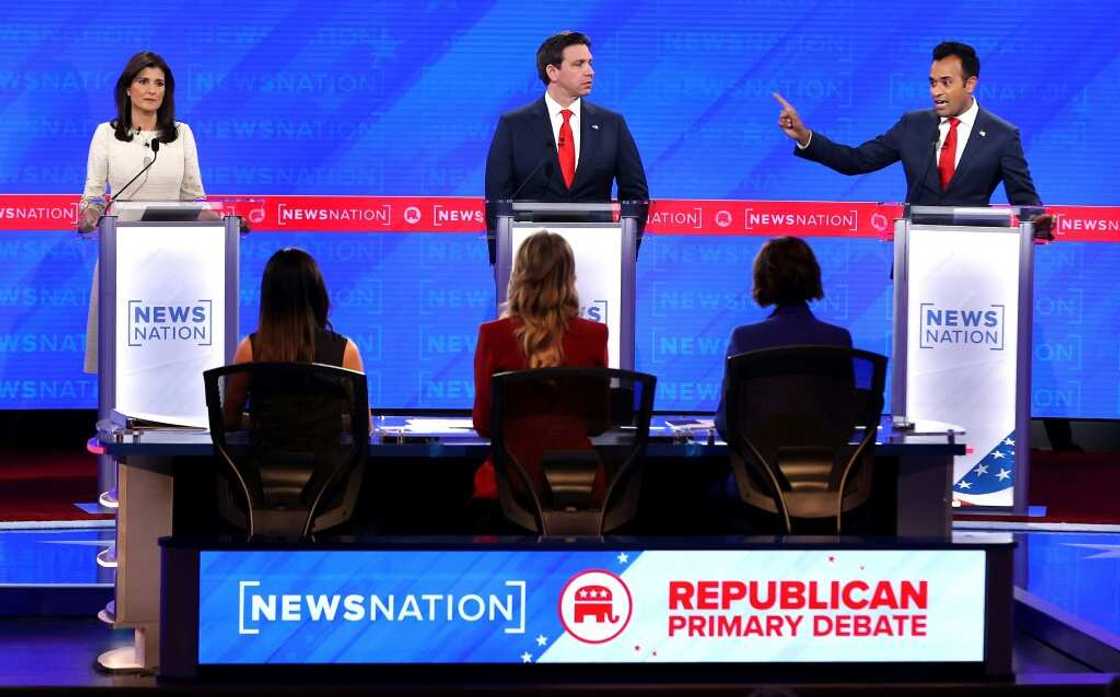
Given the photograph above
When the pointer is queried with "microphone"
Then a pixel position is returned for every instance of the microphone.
(154, 145)
(925, 171)
(546, 163)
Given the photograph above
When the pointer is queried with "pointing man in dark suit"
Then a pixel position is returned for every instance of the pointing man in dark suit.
(953, 155)
(562, 148)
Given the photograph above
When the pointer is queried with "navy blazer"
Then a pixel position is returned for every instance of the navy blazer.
(787, 325)
(993, 154)
(523, 160)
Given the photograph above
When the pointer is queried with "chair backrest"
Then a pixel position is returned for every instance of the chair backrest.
(298, 450)
(567, 445)
(801, 427)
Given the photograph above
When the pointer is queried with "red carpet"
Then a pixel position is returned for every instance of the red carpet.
(1074, 487)
(45, 485)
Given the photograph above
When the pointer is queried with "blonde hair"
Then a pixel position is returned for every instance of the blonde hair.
(542, 294)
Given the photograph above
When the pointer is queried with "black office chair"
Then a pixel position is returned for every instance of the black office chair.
(567, 445)
(296, 454)
(801, 427)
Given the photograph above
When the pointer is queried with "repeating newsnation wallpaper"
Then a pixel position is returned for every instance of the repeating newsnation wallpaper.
(400, 98)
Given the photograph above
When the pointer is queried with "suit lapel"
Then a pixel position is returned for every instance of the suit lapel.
(931, 185)
(977, 141)
(545, 135)
(589, 129)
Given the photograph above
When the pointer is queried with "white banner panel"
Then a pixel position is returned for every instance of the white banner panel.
(781, 606)
(962, 349)
(170, 320)
(598, 253)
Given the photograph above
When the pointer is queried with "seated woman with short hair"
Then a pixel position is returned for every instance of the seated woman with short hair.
(540, 327)
(787, 276)
(293, 326)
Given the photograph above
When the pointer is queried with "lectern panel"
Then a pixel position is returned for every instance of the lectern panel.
(170, 309)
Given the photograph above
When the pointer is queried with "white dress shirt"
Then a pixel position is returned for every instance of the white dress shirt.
(557, 118)
(964, 129)
(174, 177)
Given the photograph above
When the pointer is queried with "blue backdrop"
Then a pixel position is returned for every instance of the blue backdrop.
(359, 97)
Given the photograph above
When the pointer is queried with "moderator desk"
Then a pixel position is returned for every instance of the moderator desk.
(152, 461)
(427, 611)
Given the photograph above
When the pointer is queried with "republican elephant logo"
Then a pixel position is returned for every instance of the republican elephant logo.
(595, 606)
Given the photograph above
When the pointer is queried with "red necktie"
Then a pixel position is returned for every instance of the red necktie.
(946, 162)
(567, 150)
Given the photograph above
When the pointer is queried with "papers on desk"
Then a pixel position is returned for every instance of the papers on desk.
(690, 424)
(433, 427)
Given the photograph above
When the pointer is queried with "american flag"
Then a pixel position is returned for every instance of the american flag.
(994, 473)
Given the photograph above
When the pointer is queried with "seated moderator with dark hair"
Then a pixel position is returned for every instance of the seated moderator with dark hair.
(787, 276)
(293, 324)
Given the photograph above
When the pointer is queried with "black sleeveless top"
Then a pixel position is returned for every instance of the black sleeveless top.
(329, 347)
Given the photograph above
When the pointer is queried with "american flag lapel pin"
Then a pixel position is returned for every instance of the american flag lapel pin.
(594, 126)
(983, 133)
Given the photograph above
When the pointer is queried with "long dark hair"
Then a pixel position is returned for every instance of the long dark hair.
(165, 115)
(294, 307)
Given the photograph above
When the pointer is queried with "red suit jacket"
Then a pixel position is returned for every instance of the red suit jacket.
(497, 351)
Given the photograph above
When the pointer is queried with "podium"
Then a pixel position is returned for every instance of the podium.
(604, 239)
(168, 297)
(963, 301)
(168, 301)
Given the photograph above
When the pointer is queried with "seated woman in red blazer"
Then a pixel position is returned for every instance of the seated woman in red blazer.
(540, 327)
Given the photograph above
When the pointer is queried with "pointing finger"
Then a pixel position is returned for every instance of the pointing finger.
(782, 101)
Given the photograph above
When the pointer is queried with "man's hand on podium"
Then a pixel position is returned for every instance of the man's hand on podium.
(1043, 228)
(790, 122)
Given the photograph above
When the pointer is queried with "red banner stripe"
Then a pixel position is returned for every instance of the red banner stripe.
(460, 214)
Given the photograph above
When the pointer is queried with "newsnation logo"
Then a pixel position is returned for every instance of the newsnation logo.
(961, 326)
(256, 608)
(189, 323)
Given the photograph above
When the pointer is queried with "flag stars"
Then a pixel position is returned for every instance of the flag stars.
(1004, 474)
(623, 557)
(998, 455)
(1008, 441)
(964, 485)
(541, 640)
(526, 657)
(981, 469)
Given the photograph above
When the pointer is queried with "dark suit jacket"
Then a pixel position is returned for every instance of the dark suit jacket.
(498, 350)
(993, 154)
(523, 160)
(788, 325)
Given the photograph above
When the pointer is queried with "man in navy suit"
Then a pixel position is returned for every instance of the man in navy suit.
(562, 148)
(953, 155)
(787, 276)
